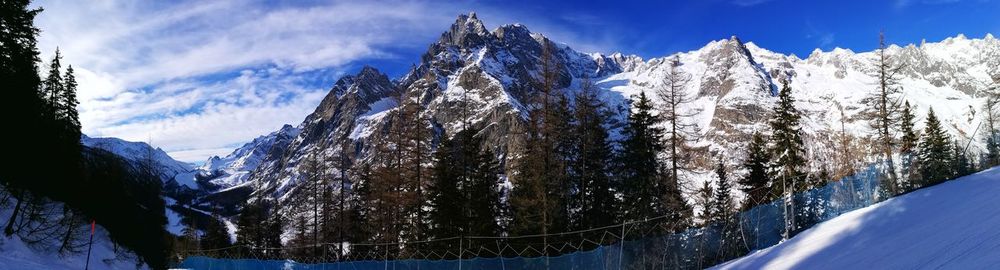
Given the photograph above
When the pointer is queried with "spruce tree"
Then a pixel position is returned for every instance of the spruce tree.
(908, 143)
(789, 158)
(704, 197)
(934, 152)
(70, 117)
(787, 149)
(961, 166)
(722, 202)
(756, 184)
(725, 217)
(595, 197)
(650, 195)
(54, 86)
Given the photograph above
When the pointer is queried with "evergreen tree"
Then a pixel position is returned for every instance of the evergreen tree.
(464, 205)
(215, 236)
(789, 158)
(934, 152)
(756, 184)
(444, 193)
(908, 143)
(960, 160)
(788, 150)
(53, 87)
(70, 117)
(722, 202)
(595, 196)
(725, 219)
(704, 197)
(650, 196)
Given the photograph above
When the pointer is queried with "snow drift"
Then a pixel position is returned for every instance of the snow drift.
(951, 225)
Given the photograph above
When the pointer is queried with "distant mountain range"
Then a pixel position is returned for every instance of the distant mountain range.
(732, 83)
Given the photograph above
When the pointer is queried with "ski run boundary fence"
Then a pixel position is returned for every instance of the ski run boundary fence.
(623, 246)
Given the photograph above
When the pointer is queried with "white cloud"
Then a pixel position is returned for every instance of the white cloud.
(196, 77)
(168, 71)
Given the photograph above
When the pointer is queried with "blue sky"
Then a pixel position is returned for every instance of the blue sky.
(198, 78)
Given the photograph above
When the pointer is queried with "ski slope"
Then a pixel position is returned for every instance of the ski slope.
(954, 225)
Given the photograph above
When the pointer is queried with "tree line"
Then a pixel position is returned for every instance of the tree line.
(431, 191)
(51, 187)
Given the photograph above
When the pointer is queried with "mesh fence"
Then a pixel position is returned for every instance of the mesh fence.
(624, 246)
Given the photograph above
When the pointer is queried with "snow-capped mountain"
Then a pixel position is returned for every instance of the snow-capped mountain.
(170, 170)
(233, 169)
(732, 84)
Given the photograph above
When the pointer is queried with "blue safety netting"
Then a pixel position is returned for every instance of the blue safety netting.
(760, 227)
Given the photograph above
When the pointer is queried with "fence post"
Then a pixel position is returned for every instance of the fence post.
(621, 246)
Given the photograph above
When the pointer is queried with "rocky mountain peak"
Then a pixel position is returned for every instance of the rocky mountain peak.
(467, 32)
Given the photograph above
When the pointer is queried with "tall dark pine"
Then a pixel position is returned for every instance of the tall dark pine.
(53, 86)
(595, 197)
(960, 164)
(649, 195)
(756, 184)
(934, 152)
(70, 117)
(908, 143)
(788, 152)
(724, 217)
(722, 202)
(466, 204)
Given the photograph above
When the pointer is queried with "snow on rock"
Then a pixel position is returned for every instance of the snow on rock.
(951, 226)
(138, 152)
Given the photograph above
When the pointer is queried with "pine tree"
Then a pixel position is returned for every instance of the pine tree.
(756, 184)
(595, 196)
(215, 236)
(70, 117)
(464, 205)
(53, 86)
(908, 143)
(788, 150)
(789, 158)
(444, 194)
(650, 195)
(960, 160)
(725, 219)
(722, 202)
(704, 197)
(935, 152)
(882, 108)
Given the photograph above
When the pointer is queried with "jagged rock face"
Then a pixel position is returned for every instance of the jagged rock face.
(491, 78)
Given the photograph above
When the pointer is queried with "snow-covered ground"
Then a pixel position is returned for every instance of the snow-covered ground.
(16, 255)
(953, 225)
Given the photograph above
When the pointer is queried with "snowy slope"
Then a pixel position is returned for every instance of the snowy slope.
(136, 152)
(952, 225)
(233, 169)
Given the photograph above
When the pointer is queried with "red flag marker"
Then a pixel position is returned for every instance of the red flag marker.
(91, 245)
